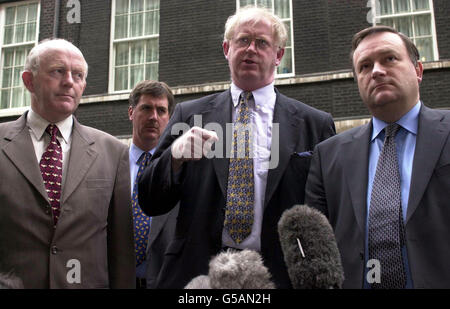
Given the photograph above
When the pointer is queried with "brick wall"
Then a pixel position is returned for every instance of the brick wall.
(442, 21)
(191, 41)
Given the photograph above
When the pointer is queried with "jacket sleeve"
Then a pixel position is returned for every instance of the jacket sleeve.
(314, 192)
(159, 187)
(121, 258)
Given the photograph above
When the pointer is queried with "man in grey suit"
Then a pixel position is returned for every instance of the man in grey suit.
(211, 189)
(65, 220)
(151, 105)
(405, 217)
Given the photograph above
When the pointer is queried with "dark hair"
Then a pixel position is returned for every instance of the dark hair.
(155, 89)
(410, 47)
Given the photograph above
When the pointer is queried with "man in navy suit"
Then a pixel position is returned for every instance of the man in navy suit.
(182, 170)
(343, 169)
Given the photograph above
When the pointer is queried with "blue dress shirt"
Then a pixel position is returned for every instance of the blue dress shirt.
(405, 142)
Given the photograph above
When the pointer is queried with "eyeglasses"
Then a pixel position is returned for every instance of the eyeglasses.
(244, 42)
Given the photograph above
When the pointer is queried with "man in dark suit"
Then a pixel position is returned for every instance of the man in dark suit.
(405, 215)
(209, 187)
(65, 220)
(151, 105)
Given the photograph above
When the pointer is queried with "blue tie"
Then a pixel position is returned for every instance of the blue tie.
(141, 220)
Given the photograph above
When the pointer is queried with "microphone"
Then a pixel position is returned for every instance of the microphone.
(10, 281)
(310, 250)
(234, 270)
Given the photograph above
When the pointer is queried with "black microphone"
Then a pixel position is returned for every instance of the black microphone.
(234, 270)
(310, 250)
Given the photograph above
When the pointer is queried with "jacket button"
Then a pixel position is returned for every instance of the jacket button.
(361, 255)
(47, 209)
(54, 250)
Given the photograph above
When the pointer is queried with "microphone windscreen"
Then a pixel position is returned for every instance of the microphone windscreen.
(321, 266)
(239, 270)
(234, 269)
(199, 282)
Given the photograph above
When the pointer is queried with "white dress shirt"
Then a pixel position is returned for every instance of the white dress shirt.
(262, 108)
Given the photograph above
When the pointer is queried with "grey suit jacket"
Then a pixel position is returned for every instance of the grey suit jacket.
(337, 185)
(94, 234)
(203, 186)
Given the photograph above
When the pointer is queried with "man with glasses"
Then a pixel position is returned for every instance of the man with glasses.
(234, 201)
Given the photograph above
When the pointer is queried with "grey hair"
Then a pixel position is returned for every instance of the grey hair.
(254, 15)
(33, 58)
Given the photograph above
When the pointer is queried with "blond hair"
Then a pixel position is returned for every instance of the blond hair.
(255, 15)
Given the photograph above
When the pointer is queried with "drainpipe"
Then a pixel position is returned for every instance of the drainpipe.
(56, 18)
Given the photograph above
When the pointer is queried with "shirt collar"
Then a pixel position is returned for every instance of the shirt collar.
(262, 96)
(38, 125)
(136, 152)
(409, 122)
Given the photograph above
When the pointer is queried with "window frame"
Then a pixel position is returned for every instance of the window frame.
(112, 54)
(290, 33)
(376, 21)
(3, 8)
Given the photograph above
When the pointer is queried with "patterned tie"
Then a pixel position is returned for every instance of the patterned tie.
(386, 230)
(51, 170)
(240, 190)
(141, 220)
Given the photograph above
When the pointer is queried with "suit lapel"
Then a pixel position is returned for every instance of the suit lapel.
(431, 136)
(156, 227)
(355, 168)
(290, 126)
(220, 113)
(82, 155)
(21, 152)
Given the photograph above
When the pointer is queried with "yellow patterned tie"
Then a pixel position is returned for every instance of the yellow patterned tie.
(240, 189)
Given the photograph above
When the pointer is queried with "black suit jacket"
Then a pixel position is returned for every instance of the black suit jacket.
(162, 231)
(203, 186)
(337, 185)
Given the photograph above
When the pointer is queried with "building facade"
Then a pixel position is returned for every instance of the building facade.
(180, 42)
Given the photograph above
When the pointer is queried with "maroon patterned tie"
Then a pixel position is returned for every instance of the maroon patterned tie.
(51, 170)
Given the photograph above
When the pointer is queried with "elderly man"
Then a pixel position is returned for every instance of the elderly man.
(234, 201)
(384, 186)
(65, 220)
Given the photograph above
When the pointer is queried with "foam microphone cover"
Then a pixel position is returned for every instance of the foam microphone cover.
(321, 268)
(234, 270)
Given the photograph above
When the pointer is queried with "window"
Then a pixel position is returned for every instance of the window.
(414, 18)
(18, 35)
(283, 9)
(135, 40)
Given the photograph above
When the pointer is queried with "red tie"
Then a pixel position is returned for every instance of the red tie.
(51, 170)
